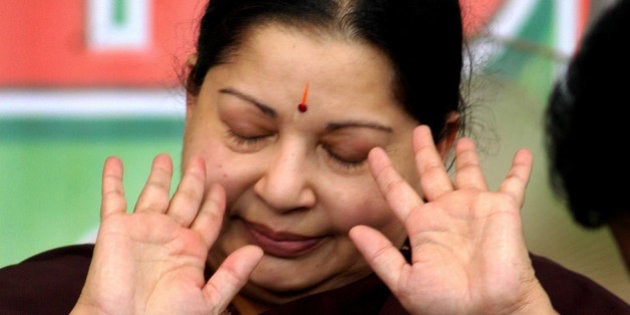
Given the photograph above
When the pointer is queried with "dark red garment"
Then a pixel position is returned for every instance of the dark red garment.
(50, 283)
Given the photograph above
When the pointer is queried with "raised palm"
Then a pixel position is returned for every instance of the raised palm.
(152, 261)
(468, 251)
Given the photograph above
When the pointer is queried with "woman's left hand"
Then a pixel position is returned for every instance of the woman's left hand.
(468, 249)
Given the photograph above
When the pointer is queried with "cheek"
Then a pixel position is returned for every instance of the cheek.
(220, 170)
(203, 137)
(235, 172)
(403, 160)
(217, 157)
(361, 204)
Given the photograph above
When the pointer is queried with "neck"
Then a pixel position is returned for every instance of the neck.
(620, 228)
(247, 306)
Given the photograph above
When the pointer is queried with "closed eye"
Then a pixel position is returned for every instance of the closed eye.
(246, 141)
(343, 161)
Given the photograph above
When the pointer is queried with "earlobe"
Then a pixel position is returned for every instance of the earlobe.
(449, 134)
(191, 99)
(191, 61)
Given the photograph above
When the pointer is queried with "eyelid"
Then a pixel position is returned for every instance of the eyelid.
(341, 161)
(246, 143)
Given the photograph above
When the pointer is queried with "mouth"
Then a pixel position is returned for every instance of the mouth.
(280, 244)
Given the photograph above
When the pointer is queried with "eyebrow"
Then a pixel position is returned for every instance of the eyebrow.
(266, 109)
(358, 124)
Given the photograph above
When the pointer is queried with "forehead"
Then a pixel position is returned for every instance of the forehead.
(285, 58)
(333, 48)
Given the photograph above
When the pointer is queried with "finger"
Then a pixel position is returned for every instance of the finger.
(434, 179)
(385, 259)
(208, 221)
(112, 191)
(155, 195)
(516, 180)
(185, 203)
(400, 196)
(469, 174)
(232, 276)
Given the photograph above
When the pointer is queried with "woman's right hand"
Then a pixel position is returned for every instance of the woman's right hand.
(152, 260)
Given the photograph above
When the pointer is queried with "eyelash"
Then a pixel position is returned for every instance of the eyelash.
(251, 141)
(245, 141)
(342, 162)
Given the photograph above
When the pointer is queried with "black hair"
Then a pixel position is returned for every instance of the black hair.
(584, 121)
(422, 38)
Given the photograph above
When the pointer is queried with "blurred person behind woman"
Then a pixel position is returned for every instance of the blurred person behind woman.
(585, 124)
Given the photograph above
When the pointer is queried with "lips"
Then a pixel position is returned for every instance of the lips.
(280, 244)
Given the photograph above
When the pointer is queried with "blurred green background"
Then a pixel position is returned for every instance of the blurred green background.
(51, 169)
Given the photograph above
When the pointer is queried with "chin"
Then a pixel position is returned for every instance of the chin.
(279, 290)
(277, 274)
(280, 280)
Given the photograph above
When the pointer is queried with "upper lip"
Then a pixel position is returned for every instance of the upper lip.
(280, 236)
(281, 244)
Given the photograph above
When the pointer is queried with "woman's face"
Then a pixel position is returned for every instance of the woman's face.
(296, 182)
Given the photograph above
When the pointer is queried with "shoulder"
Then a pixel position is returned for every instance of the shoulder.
(571, 292)
(49, 282)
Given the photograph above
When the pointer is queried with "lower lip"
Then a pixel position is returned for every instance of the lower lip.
(281, 248)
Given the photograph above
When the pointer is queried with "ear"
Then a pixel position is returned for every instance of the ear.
(191, 61)
(449, 134)
(191, 99)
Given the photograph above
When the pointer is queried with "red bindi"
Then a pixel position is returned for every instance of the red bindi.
(302, 106)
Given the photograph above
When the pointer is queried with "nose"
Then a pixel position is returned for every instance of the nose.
(285, 184)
